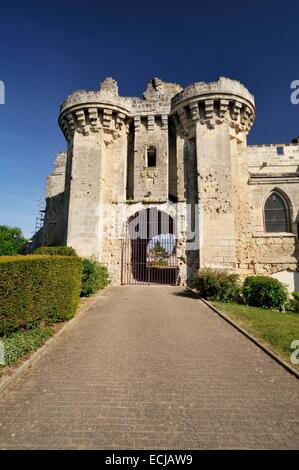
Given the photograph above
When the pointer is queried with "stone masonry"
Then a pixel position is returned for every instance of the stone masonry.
(184, 152)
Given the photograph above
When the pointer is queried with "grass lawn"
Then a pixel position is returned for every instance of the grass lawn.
(275, 329)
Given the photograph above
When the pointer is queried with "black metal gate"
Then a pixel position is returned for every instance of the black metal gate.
(149, 249)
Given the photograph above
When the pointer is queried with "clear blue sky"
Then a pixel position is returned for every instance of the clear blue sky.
(50, 48)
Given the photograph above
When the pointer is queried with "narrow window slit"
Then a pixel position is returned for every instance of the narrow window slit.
(151, 156)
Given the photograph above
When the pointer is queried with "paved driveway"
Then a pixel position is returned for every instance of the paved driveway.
(148, 367)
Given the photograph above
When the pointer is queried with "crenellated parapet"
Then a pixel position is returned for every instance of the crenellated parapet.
(150, 120)
(92, 111)
(89, 111)
(88, 119)
(209, 104)
(213, 103)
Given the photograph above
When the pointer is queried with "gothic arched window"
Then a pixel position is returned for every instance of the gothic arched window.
(276, 213)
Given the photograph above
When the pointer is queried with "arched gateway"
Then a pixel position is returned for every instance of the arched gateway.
(149, 249)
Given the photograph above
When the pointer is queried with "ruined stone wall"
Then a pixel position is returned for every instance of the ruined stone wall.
(215, 191)
(260, 171)
(85, 186)
(54, 232)
(113, 200)
(172, 164)
(151, 182)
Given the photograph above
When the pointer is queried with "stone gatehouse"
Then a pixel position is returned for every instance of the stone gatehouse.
(182, 153)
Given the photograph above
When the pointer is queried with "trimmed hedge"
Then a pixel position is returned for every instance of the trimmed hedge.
(95, 277)
(38, 287)
(55, 250)
(264, 291)
(216, 284)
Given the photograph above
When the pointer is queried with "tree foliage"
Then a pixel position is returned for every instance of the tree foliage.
(11, 240)
(159, 252)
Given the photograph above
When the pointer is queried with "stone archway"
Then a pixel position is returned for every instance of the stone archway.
(149, 249)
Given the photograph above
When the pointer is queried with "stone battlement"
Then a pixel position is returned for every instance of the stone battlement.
(209, 103)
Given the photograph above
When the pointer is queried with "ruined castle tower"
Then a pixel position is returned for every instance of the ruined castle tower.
(182, 153)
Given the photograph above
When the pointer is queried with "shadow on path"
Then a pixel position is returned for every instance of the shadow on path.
(186, 293)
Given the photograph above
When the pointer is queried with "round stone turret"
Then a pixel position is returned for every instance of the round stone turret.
(212, 103)
(89, 111)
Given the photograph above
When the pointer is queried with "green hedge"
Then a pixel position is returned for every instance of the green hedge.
(257, 291)
(293, 303)
(216, 284)
(296, 301)
(95, 277)
(264, 291)
(38, 287)
(56, 250)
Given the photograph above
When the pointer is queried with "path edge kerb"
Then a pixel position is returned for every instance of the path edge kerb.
(252, 338)
(36, 355)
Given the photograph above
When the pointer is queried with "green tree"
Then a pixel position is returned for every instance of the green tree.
(11, 240)
(159, 252)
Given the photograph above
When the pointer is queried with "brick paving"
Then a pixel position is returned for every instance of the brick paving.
(149, 367)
